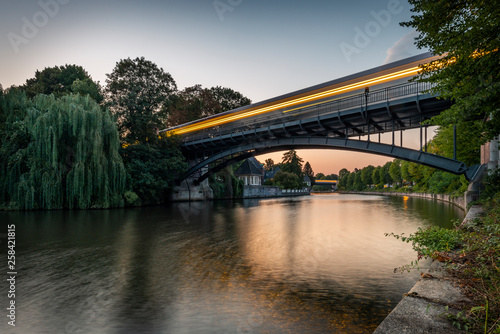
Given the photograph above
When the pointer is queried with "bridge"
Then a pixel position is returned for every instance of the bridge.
(326, 183)
(347, 114)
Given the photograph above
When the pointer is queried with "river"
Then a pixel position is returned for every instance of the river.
(311, 264)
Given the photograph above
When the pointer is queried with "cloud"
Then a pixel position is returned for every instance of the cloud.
(403, 48)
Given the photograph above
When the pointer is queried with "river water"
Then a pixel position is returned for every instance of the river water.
(312, 264)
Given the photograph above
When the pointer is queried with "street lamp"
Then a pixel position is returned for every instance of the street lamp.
(367, 92)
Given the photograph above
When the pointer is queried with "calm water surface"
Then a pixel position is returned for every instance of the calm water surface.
(314, 264)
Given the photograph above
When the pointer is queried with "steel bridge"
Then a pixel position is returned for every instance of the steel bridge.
(333, 115)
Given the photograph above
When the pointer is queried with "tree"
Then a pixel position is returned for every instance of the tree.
(385, 177)
(342, 173)
(405, 173)
(308, 170)
(351, 179)
(269, 164)
(292, 163)
(395, 171)
(366, 175)
(153, 168)
(61, 81)
(59, 153)
(227, 99)
(376, 175)
(190, 104)
(320, 176)
(358, 182)
(465, 33)
(197, 102)
(138, 93)
(286, 180)
(343, 177)
(469, 140)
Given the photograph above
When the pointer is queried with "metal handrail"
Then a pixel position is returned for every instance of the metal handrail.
(279, 116)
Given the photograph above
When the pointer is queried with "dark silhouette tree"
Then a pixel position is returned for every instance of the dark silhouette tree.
(138, 92)
(465, 33)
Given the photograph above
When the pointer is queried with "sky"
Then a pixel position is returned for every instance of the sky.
(261, 48)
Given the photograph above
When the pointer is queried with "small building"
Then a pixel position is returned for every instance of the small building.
(307, 180)
(269, 175)
(251, 172)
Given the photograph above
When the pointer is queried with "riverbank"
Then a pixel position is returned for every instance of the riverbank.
(272, 191)
(426, 308)
(457, 201)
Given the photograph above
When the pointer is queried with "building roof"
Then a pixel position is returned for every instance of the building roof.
(270, 174)
(248, 168)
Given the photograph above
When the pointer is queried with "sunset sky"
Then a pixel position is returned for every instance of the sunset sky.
(261, 48)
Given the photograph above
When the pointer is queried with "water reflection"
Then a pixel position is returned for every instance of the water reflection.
(316, 264)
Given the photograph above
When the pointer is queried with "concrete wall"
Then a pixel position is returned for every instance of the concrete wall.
(187, 191)
(458, 201)
(270, 191)
(490, 154)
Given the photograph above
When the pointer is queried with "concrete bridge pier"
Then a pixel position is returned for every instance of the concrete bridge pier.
(490, 159)
(188, 191)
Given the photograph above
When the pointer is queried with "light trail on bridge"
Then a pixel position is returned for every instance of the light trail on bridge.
(378, 76)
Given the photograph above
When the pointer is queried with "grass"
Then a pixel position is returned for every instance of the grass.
(472, 254)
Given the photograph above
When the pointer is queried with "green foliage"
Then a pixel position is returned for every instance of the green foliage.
(431, 241)
(366, 175)
(445, 183)
(238, 186)
(287, 180)
(87, 87)
(137, 93)
(132, 199)
(61, 81)
(225, 185)
(320, 176)
(469, 141)
(466, 33)
(197, 102)
(59, 153)
(476, 263)
(395, 171)
(268, 182)
(227, 99)
(343, 177)
(385, 177)
(269, 165)
(292, 163)
(321, 188)
(308, 170)
(153, 168)
(377, 175)
(491, 184)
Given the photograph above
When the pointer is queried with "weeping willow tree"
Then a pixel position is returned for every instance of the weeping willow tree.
(59, 153)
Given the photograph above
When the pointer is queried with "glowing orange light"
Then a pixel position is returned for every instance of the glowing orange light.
(309, 98)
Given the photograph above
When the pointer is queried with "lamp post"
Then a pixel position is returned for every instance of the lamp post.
(367, 92)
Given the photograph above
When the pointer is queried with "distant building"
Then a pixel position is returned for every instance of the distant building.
(251, 172)
(307, 180)
(269, 174)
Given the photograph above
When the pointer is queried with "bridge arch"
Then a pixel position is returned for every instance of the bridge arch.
(243, 151)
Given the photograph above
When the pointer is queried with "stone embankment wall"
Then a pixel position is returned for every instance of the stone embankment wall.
(270, 191)
(424, 308)
(458, 201)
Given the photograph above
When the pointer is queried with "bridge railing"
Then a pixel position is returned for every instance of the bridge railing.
(286, 115)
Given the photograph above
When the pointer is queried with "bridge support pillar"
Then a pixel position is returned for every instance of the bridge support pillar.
(188, 191)
(490, 154)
